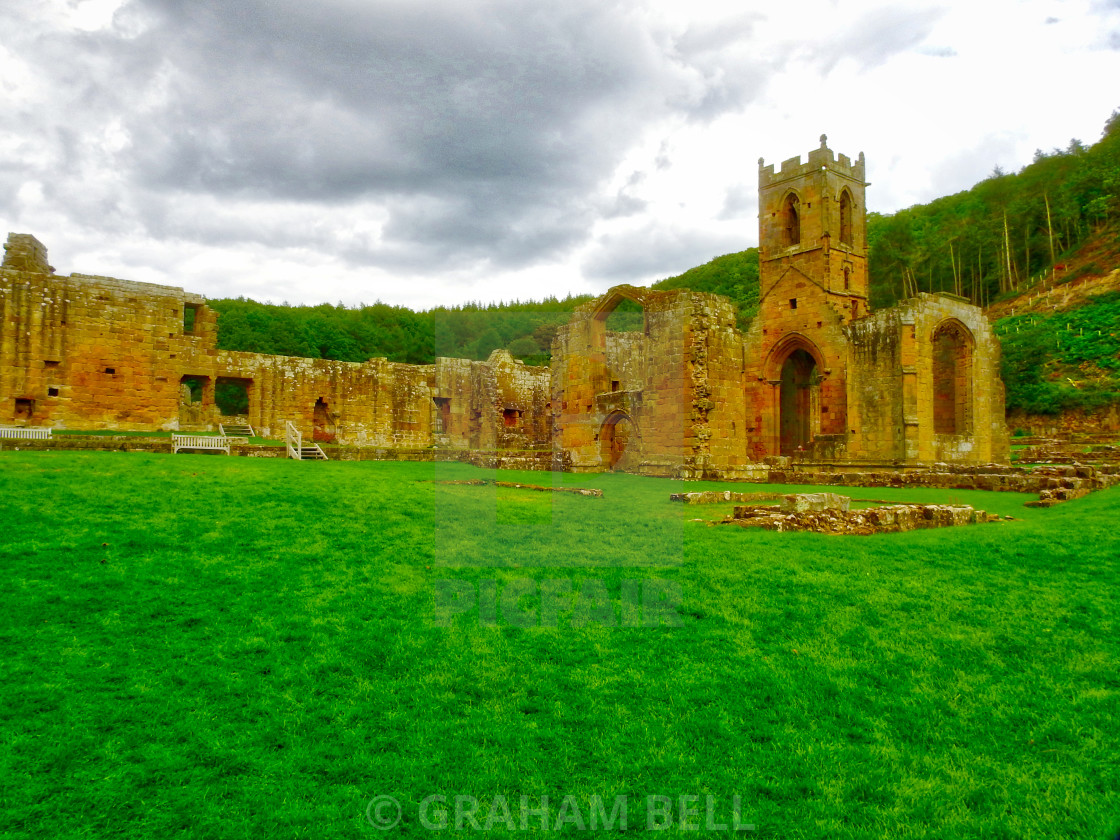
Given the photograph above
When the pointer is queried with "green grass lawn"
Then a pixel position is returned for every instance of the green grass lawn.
(202, 646)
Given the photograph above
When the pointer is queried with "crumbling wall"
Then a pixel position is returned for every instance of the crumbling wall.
(876, 415)
(91, 352)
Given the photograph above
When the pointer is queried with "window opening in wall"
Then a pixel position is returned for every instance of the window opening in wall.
(791, 218)
(190, 316)
(628, 316)
(614, 385)
(52, 392)
(847, 278)
(952, 381)
(231, 395)
(511, 416)
(191, 388)
(846, 218)
(111, 371)
(441, 419)
(793, 303)
(24, 408)
(51, 363)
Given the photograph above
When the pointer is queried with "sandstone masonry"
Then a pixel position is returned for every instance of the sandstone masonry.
(816, 377)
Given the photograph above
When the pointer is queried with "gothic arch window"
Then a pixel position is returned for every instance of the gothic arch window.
(952, 379)
(791, 220)
(845, 217)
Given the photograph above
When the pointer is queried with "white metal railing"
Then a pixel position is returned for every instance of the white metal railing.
(24, 433)
(293, 439)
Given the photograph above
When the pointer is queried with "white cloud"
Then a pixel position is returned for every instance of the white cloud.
(436, 151)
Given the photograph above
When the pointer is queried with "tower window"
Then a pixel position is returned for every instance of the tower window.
(793, 303)
(847, 278)
(846, 218)
(791, 218)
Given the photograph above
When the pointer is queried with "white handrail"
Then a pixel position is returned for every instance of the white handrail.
(293, 438)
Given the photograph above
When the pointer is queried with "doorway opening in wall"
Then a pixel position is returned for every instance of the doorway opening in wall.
(323, 424)
(231, 395)
(191, 392)
(616, 441)
(796, 403)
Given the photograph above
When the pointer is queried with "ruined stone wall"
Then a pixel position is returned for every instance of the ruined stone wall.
(687, 395)
(875, 388)
(982, 436)
(679, 381)
(717, 365)
(94, 351)
(90, 352)
(894, 389)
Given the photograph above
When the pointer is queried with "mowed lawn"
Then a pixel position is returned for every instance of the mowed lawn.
(204, 646)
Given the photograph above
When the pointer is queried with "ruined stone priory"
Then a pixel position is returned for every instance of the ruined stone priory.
(817, 376)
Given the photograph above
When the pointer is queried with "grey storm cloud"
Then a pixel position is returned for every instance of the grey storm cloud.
(479, 133)
(479, 127)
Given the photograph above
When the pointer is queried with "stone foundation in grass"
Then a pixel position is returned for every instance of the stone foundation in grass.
(827, 513)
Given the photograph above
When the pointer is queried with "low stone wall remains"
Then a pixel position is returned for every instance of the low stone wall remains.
(828, 513)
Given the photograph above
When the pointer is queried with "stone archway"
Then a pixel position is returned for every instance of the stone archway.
(952, 378)
(617, 441)
(796, 400)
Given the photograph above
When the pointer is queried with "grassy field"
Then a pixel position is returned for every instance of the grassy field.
(199, 646)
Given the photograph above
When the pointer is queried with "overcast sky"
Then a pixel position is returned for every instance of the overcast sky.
(421, 152)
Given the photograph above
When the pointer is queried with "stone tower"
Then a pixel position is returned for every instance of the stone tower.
(812, 220)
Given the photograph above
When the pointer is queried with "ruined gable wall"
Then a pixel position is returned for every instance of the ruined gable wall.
(985, 438)
(892, 389)
(679, 380)
(626, 359)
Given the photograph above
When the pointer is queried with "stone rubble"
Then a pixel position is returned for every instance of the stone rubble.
(814, 512)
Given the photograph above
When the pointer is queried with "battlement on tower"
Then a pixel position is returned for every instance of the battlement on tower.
(822, 158)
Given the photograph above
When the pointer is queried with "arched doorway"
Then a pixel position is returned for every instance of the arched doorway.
(616, 441)
(796, 400)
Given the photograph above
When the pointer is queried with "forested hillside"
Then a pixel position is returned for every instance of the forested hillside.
(1053, 225)
(473, 331)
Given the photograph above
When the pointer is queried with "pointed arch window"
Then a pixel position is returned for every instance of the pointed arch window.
(791, 220)
(845, 218)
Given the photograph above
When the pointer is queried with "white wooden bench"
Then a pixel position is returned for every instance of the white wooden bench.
(24, 433)
(205, 442)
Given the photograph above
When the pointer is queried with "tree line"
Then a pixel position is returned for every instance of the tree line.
(1002, 234)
